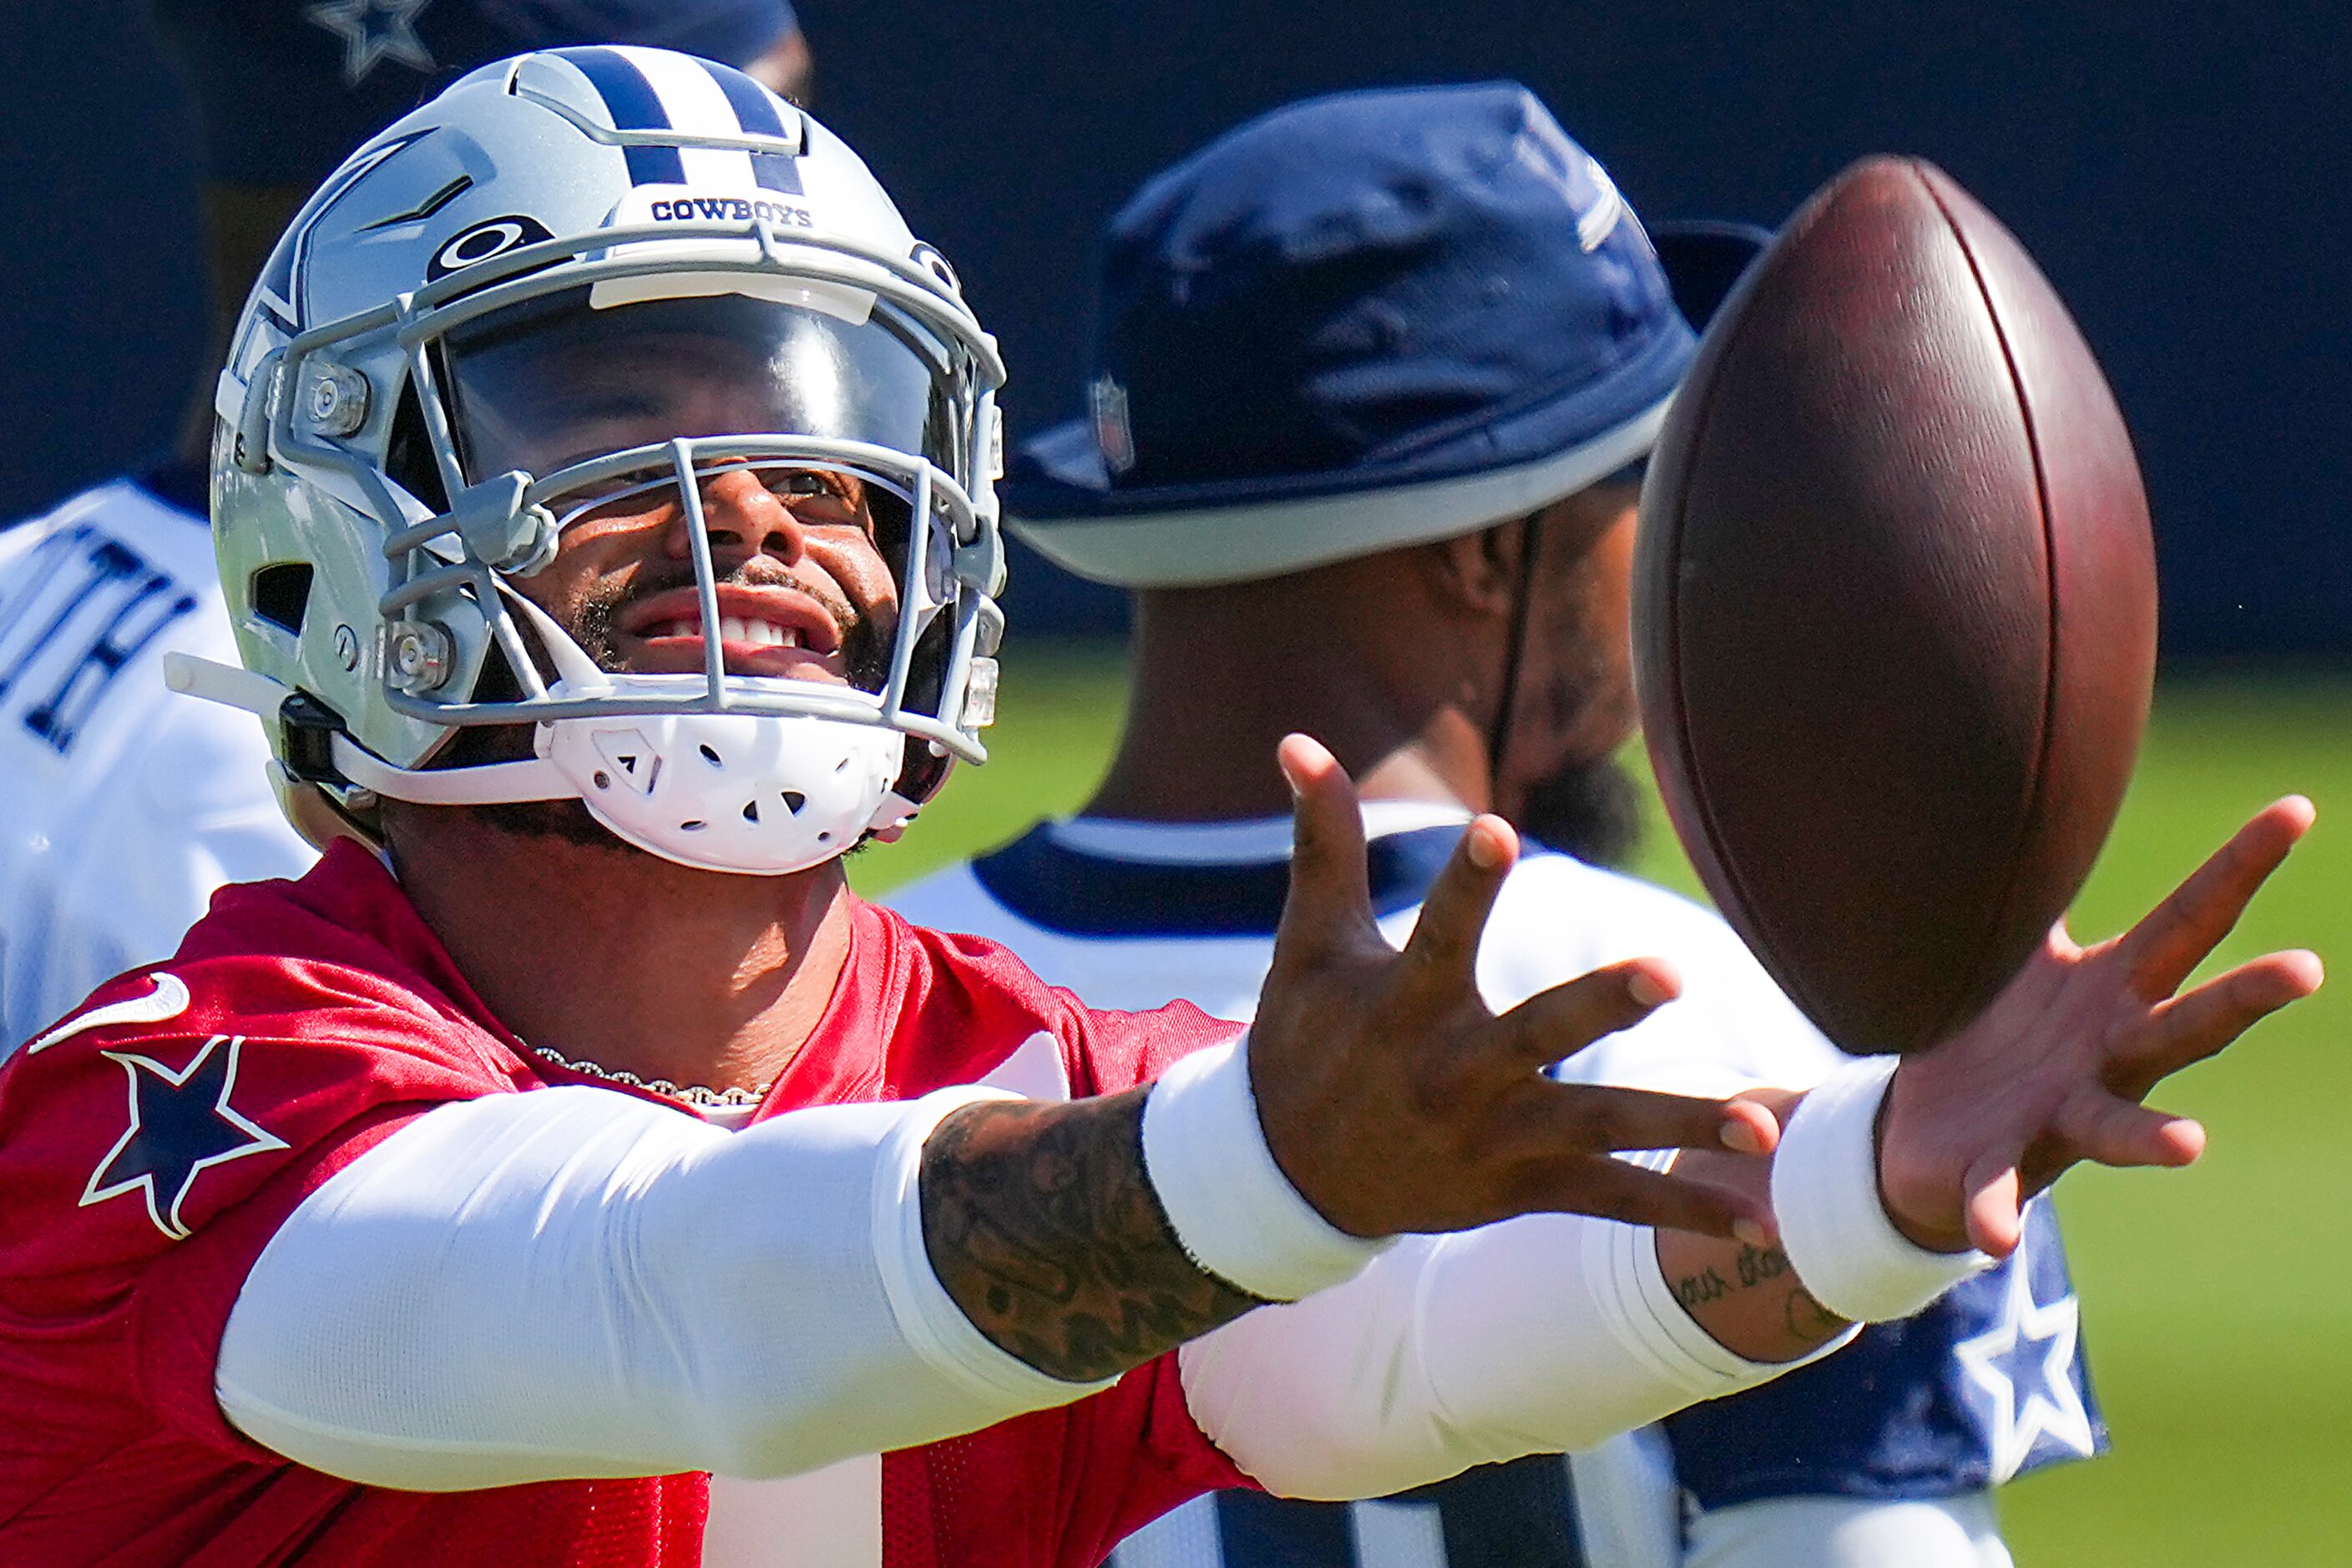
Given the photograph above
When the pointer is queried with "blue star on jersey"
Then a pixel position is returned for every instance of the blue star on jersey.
(182, 1125)
(373, 30)
(2024, 1364)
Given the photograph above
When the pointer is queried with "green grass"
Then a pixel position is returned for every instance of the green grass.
(2218, 1302)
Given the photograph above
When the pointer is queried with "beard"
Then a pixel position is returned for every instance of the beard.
(1591, 809)
(866, 651)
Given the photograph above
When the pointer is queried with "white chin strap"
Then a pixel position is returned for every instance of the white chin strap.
(760, 795)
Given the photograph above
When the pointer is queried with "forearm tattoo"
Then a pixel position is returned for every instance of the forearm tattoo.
(1806, 1322)
(1041, 1224)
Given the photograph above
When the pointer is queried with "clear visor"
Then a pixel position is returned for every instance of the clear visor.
(554, 382)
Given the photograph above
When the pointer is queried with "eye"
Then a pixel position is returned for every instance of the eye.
(631, 494)
(820, 498)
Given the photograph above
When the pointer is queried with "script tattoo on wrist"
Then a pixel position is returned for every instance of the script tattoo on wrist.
(1808, 1322)
(1042, 1224)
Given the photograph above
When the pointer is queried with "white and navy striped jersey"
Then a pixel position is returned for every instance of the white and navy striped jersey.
(122, 803)
(1892, 1442)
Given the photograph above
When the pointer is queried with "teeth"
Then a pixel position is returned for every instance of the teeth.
(735, 629)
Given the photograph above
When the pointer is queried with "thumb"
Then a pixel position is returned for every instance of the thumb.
(1995, 1223)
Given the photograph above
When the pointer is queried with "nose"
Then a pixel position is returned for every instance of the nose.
(742, 518)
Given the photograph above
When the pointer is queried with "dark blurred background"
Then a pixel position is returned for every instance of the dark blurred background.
(2178, 171)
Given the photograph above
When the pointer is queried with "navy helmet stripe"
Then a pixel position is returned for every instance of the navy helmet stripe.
(633, 105)
(755, 113)
(776, 172)
(654, 166)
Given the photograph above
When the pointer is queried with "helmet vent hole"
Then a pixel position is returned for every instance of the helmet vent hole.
(697, 825)
(794, 801)
(711, 756)
(841, 765)
(604, 779)
(281, 594)
(752, 811)
(825, 838)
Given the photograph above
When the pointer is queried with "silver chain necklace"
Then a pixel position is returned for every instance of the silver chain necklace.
(692, 1093)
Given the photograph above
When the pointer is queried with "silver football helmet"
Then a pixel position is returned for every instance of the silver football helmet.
(581, 280)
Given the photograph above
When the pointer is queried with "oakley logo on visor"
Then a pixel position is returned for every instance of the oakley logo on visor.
(484, 240)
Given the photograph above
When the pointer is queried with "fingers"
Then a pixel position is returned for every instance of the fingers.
(1761, 1114)
(2116, 1132)
(1612, 1189)
(1444, 942)
(1556, 1024)
(2176, 936)
(2197, 1025)
(1995, 1222)
(1574, 1118)
(1330, 901)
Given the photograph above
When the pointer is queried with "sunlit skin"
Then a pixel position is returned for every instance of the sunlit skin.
(694, 976)
(792, 550)
(794, 556)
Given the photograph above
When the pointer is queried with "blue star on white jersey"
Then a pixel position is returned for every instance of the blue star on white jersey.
(373, 30)
(2025, 1364)
(182, 1125)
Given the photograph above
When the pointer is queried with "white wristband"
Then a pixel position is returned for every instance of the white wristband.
(1833, 1224)
(1233, 1211)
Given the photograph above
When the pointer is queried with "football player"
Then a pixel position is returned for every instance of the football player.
(122, 807)
(569, 1170)
(1373, 380)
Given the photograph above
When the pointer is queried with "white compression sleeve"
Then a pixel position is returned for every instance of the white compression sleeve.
(1541, 1333)
(576, 1283)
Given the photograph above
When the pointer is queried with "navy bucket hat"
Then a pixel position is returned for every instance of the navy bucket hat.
(1361, 321)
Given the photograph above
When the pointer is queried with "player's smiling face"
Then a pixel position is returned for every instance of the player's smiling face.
(803, 590)
(803, 587)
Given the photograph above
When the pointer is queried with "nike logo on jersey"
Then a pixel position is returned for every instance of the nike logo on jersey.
(168, 1000)
(182, 1125)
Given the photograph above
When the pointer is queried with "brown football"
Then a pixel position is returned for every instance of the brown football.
(1895, 607)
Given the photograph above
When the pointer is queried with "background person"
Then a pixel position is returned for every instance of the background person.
(122, 806)
(1373, 379)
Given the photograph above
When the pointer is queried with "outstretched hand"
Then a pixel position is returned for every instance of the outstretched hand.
(1395, 1101)
(2055, 1071)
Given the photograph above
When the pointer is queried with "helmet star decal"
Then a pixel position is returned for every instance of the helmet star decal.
(182, 1125)
(373, 30)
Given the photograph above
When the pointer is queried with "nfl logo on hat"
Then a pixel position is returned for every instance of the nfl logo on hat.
(1114, 437)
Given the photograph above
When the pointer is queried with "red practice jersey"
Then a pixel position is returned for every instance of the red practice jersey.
(150, 1146)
